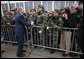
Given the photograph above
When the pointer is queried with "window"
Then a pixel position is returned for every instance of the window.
(17, 5)
(62, 4)
(56, 4)
(12, 5)
(21, 4)
(5, 6)
(45, 5)
(30, 5)
(36, 3)
(50, 5)
(26, 7)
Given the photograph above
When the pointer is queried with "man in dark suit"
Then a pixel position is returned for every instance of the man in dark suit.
(20, 23)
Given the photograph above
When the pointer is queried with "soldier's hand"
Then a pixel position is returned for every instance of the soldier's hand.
(40, 32)
(66, 17)
(32, 23)
(47, 28)
(8, 23)
(63, 15)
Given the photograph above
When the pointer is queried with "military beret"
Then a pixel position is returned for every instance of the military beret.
(32, 10)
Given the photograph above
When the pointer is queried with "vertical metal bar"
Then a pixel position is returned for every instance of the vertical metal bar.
(8, 6)
(47, 39)
(32, 38)
(24, 6)
(33, 4)
(27, 40)
(7, 33)
(61, 38)
(65, 38)
(43, 39)
(37, 36)
(75, 41)
(34, 35)
(41, 3)
(65, 3)
(11, 34)
(57, 39)
(40, 39)
(72, 42)
(50, 37)
(15, 4)
(53, 37)
(1, 10)
(52, 5)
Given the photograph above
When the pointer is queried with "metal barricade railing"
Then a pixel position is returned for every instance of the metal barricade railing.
(8, 33)
(48, 39)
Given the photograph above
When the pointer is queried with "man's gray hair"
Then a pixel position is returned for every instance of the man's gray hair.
(19, 8)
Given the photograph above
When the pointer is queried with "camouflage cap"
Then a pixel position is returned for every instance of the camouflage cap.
(52, 11)
(8, 13)
(13, 9)
(58, 11)
(5, 11)
(40, 6)
(62, 8)
(32, 10)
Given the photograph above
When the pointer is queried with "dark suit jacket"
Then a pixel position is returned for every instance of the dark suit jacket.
(72, 21)
(20, 23)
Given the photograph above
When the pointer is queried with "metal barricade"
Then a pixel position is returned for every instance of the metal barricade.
(8, 32)
(48, 39)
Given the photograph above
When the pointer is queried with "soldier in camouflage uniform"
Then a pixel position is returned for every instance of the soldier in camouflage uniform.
(48, 24)
(4, 18)
(57, 24)
(4, 22)
(7, 22)
(40, 16)
(33, 18)
(12, 12)
(40, 19)
(8, 27)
